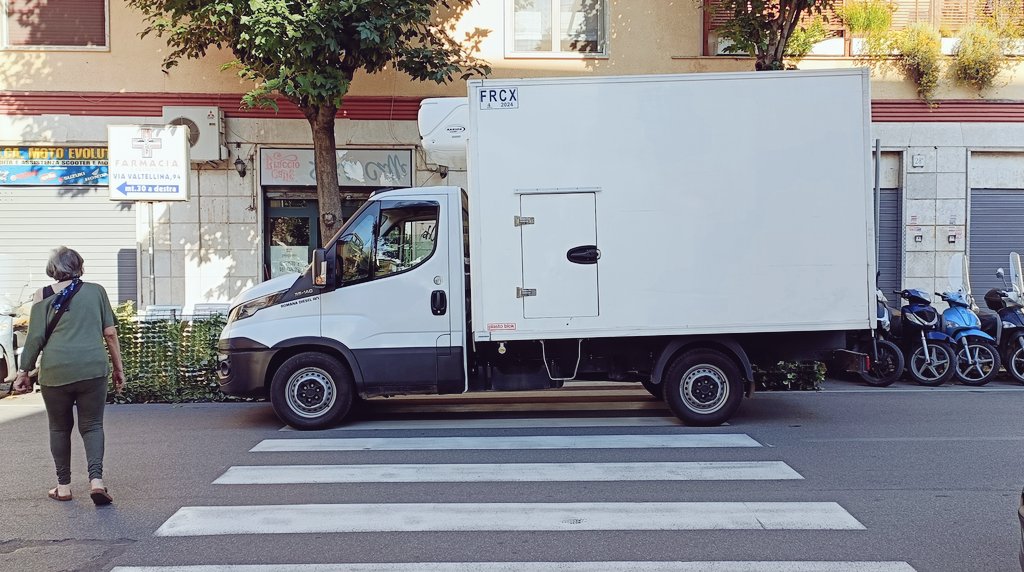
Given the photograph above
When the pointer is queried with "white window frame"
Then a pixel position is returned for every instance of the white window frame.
(510, 40)
(4, 46)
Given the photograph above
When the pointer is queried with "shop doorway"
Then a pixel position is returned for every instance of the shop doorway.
(292, 231)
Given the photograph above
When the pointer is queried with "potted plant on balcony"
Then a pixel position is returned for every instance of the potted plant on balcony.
(869, 22)
(917, 53)
(978, 57)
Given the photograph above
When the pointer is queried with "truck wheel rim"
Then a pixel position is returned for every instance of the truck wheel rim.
(310, 392)
(704, 389)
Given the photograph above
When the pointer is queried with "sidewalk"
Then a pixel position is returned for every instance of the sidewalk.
(17, 406)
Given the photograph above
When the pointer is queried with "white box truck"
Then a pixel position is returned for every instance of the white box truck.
(668, 230)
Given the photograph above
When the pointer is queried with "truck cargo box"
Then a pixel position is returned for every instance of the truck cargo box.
(670, 205)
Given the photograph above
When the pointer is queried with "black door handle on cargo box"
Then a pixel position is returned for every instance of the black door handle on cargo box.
(587, 254)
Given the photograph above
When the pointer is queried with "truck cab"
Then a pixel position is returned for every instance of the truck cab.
(380, 311)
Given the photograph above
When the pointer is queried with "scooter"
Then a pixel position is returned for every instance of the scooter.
(977, 359)
(926, 348)
(1006, 324)
(887, 361)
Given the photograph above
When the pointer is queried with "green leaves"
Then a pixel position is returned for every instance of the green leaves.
(168, 360)
(763, 28)
(309, 50)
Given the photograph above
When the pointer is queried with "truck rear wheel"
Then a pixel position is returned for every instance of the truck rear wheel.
(703, 387)
(312, 390)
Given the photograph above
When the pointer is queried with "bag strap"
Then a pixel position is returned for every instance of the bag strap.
(61, 303)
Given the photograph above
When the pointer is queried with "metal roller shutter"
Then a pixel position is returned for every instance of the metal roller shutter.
(890, 241)
(997, 228)
(35, 220)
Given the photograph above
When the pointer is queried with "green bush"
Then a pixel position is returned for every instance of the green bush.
(978, 58)
(802, 40)
(790, 376)
(917, 51)
(168, 361)
(868, 17)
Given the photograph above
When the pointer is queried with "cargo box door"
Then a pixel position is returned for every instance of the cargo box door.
(560, 255)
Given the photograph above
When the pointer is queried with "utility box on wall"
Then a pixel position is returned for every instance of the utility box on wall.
(206, 130)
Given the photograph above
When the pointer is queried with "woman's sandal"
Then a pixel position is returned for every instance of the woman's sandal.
(99, 496)
(52, 493)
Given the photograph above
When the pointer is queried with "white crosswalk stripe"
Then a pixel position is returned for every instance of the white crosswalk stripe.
(508, 472)
(509, 442)
(506, 517)
(619, 566)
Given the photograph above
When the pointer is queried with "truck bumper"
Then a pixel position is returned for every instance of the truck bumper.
(242, 366)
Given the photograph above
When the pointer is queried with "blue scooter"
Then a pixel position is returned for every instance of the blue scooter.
(928, 350)
(977, 356)
(977, 359)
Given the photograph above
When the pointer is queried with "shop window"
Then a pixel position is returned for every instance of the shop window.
(54, 24)
(561, 28)
(386, 239)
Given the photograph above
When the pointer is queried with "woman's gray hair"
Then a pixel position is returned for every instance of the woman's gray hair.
(64, 264)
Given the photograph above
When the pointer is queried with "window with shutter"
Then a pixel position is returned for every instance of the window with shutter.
(54, 23)
(912, 11)
(715, 17)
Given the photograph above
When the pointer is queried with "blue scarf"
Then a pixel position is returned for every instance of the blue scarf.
(64, 294)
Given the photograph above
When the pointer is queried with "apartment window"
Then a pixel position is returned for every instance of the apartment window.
(560, 28)
(54, 24)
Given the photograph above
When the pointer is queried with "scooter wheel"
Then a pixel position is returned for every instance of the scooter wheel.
(933, 369)
(982, 366)
(887, 368)
(1015, 360)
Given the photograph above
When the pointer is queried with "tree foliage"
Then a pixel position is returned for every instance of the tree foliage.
(763, 28)
(309, 51)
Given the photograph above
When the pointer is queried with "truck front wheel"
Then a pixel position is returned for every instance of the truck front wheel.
(312, 391)
(703, 387)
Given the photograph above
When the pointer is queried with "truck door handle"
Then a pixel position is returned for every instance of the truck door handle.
(586, 254)
(438, 302)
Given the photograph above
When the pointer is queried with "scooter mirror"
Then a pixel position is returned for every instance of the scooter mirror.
(1000, 273)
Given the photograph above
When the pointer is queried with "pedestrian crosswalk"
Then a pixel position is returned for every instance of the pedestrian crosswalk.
(402, 452)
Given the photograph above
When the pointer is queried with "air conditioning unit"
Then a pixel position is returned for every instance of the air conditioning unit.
(444, 130)
(205, 130)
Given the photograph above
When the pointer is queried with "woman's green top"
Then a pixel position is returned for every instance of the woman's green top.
(76, 349)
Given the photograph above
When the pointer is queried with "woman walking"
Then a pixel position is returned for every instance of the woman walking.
(66, 325)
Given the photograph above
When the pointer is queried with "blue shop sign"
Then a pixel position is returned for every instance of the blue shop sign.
(53, 166)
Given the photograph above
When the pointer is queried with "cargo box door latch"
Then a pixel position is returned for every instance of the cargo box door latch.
(524, 292)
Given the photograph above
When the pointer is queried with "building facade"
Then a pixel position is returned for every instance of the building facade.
(952, 175)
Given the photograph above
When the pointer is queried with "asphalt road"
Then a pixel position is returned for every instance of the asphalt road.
(909, 477)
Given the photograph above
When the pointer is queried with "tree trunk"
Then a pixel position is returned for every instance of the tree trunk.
(321, 121)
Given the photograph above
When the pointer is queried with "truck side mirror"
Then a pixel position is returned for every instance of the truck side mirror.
(320, 268)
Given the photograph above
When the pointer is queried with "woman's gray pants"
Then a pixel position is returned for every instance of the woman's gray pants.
(89, 395)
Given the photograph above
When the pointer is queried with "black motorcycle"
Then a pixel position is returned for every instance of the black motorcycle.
(1006, 321)
(886, 359)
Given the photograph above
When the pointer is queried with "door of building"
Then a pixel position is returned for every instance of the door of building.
(890, 242)
(995, 232)
(291, 235)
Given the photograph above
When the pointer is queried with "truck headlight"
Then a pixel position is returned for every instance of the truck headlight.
(246, 309)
